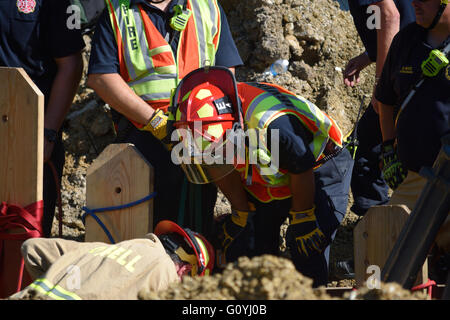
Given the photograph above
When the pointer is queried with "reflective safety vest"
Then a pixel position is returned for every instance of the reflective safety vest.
(263, 103)
(147, 62)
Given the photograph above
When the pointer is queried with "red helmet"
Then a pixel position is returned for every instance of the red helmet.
(195, 250)
(206, 104)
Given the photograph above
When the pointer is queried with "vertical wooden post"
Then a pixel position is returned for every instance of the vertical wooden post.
(374, 238)
(21, 138)
(120, 175)
(21, 161)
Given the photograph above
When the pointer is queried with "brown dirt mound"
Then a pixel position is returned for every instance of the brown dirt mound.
(387, 291)
(260, 278)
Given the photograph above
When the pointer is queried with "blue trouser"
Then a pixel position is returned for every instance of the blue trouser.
(187, 204)
(262, 233)
(368, 186)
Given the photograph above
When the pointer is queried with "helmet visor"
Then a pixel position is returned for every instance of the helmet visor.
(203, 161)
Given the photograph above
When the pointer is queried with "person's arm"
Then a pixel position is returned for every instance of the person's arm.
(302, 190)
(63, 90)
(231, 186)
(389, 27)
(386, 114)
(115, 91)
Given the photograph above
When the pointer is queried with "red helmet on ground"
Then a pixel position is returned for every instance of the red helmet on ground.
(206, 108)
(194, 248)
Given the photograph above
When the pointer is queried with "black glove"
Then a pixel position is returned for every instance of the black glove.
(304, 234)
(232, 228)
(393, 170)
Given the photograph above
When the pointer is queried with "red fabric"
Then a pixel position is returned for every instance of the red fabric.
(16, 225)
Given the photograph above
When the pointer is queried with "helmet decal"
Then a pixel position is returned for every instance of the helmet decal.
(223, 105)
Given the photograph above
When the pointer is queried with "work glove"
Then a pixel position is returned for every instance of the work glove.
(159, 126)
(304, 234)
(393, 170)
(232, 228)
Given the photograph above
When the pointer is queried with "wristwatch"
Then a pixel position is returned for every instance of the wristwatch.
(50, 135)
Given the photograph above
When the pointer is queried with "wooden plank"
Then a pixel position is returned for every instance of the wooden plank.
(21, 138)
(21, 161)
(120, 175)
(375, 236)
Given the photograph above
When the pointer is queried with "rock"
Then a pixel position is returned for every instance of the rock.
(302, 70)
(294, 45)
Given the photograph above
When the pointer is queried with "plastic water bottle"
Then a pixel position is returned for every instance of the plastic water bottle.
(278, 67)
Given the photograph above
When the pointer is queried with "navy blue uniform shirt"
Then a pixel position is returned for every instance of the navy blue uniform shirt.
(104, 54)
(295, 156)
(426, 118)
(32, 34)
(358, 10)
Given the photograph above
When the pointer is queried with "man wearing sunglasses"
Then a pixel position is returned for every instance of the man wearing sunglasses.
(412, 127)
(69, 270)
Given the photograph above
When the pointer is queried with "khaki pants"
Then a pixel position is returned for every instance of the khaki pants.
(408, 192)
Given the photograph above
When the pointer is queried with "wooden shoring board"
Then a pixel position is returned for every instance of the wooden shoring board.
(375, 236)
(120, 175)
(21, 162)
(21, 138)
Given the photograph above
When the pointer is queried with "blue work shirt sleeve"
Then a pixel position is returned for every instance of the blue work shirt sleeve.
(104, 53)
(63, 37)
(227, 53)
(385, 90)
(293, 142)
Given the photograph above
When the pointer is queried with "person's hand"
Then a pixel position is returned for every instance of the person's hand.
(232, 227)
(304, 234)
(354, 67)
(157, 125)
(393, 170)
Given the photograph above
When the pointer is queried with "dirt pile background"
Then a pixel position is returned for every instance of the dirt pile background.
(318, 39)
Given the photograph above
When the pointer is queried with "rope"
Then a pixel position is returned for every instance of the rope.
(428, 285)
(13, 217)
(92, 212)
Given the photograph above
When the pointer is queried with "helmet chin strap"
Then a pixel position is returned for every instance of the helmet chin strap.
(438, 14)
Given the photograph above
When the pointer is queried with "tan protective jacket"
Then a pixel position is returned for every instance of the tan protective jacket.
(67, 270)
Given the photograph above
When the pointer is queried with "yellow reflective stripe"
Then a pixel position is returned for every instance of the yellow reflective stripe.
(159, 50)
(166, 69)
(204, 251)
(53, 291)
(153, 87)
